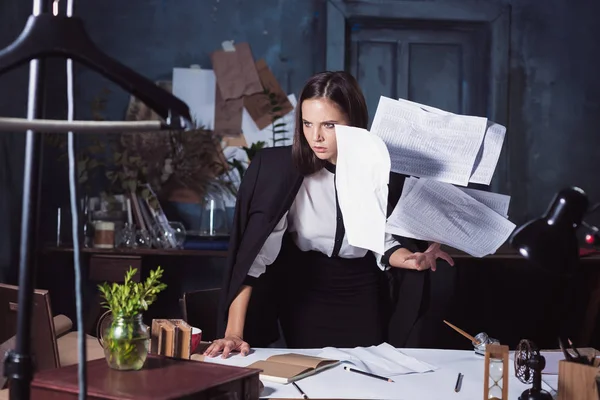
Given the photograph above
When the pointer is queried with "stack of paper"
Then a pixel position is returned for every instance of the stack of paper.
(427, 142)
(466, 219)
(444, 149)
(383, 360)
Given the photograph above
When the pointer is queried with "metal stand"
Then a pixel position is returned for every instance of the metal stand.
(19, 363)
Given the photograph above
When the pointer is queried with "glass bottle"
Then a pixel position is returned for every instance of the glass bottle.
(88, 227)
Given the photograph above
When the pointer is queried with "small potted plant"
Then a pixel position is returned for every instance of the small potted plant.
(126, 339)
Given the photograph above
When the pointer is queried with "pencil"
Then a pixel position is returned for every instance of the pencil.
(465, 334)
(383, 378)
(304, 396)
(458, 383)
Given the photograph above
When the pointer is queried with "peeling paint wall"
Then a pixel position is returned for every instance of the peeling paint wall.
(554, 102)
(154, 36)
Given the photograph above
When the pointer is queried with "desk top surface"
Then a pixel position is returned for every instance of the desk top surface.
(336, 383)
(161, 378)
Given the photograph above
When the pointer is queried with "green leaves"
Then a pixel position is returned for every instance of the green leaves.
(252, 150)
(278, 129)
(131, 298)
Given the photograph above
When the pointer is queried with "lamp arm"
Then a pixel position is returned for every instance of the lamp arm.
(593, 209)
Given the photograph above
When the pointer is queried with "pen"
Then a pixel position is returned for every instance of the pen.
(368, 374)
(458, 382)
(304, 396)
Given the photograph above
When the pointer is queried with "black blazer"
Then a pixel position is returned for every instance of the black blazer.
(266, 193)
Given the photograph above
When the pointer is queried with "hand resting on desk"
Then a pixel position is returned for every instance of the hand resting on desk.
(230, 343)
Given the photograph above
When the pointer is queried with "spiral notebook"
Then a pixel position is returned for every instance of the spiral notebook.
(286, 368)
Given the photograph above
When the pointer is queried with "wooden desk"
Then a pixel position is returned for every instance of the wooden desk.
(161, 378)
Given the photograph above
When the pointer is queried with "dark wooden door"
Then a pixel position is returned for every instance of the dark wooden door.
(444, 68)
(450, 54)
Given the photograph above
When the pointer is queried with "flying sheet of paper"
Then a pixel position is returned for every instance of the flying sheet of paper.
(361, 179)
(196, 87)
(253, 134)
(383, 360)
(439, 212)
(489, 152)
(429, 145)
(409, 182)
(496, 201)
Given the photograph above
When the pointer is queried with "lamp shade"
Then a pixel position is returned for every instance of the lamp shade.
(550, 242)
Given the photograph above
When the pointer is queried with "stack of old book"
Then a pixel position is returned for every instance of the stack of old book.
(171, 338)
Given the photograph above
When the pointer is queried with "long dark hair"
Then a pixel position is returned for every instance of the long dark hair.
(339, 87)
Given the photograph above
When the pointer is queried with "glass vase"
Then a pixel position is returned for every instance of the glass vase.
(213, 222)
(126, 341)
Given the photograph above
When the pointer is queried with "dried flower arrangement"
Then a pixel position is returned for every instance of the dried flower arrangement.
(166, 160)
(169, 160)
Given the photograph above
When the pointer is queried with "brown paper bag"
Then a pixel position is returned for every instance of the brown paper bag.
(236, 73)
(259, 105)
(228, 115)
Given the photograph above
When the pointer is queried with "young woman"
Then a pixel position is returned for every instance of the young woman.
(289, 259)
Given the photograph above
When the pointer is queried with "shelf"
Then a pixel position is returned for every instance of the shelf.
(140, 252)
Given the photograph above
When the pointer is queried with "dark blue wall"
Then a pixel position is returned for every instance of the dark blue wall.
(554, 121)
(554, 83)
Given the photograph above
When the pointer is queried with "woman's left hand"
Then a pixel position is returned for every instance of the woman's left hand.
(428, 259)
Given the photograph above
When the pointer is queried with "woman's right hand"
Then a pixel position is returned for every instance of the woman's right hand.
(226, 345)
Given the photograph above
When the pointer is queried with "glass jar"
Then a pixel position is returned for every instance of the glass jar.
(104, 235)
(482, 339)
(126, 341)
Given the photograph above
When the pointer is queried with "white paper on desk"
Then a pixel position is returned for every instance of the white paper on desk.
(552, 359)
(439, 212)
(197, 88)
(426, 144)
(383, 360)
(361, 178)
(253, 135)
(496, 201)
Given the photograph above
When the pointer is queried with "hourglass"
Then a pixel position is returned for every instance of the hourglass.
(496, 372)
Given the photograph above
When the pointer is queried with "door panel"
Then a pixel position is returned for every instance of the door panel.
(435, 75)
(376, 78)
(443, 68)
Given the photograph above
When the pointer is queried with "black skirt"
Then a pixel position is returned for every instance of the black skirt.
(330, 301)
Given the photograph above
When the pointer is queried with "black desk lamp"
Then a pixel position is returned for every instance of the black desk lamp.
(550, 243)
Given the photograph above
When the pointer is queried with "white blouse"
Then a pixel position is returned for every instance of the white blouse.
(316, 224)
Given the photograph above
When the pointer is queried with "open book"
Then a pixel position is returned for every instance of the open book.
(286, 368)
